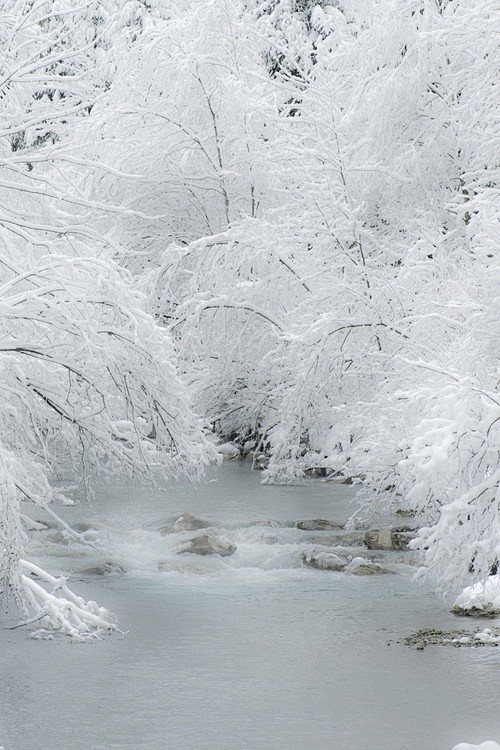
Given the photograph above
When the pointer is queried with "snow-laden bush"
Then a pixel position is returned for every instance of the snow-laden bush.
(481, 597)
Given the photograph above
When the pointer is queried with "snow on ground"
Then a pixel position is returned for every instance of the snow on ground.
(482, 595)
(484, 746)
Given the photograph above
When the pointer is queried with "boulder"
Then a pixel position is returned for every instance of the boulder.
(359, 566)
(388, 539)
(188, 522)
(103, 568)
(321, 560)
(207, 544)
(319, 524)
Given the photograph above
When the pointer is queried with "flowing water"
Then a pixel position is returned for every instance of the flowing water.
(248, 652)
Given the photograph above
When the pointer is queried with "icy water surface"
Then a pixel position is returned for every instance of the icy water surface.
(248, 652)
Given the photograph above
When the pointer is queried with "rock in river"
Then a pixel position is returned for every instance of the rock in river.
(319, 524)
(321, 560)
(188, 522)
(359, 566)
(388, 539)
(103, 568)
(208, 544)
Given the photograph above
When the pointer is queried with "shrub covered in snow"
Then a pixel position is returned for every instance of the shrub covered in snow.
(483, 598)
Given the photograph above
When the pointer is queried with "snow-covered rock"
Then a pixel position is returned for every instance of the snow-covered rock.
(249, 446)
(321, 560)
(208, 544)
(487, 636)
(260, 461)
(480, 600)
(230, 451)
(188, 522)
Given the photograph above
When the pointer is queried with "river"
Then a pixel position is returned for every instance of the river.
(248, 652)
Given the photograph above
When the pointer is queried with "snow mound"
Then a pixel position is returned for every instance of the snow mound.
(231, 450)
(481, 598)
(484, 746)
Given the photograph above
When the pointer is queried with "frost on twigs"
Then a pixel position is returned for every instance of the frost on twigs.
(44, 600)
(90, 390)
(58, 610)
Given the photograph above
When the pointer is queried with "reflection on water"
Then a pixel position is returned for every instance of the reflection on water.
(247, 652)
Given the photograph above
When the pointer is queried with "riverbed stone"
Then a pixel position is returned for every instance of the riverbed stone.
(360, 566)
(103, 568)
(321, 560)
(208, 544)
(319, 524)
(455, 638)
(188, 522)
(388, 539)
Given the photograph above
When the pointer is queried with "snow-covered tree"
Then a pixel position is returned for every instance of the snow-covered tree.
(306, 193)
(89, 381)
